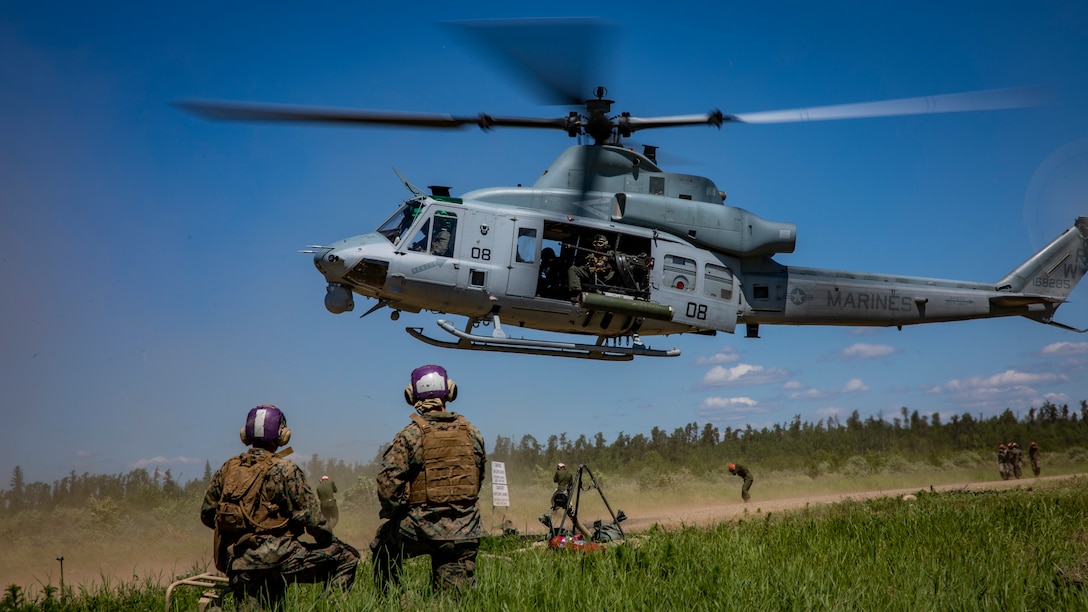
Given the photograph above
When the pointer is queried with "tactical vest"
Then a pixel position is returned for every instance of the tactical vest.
(449, 473)
(243, 506)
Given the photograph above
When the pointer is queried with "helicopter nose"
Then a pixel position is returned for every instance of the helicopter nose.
(330, 264)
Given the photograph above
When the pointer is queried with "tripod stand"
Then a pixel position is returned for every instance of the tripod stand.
(572, 506)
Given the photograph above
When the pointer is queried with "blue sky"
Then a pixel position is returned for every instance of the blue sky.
(153, 292)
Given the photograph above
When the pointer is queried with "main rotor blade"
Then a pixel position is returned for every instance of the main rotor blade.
(244, 111)
(632, 124)
(555, 57)
(992, 99)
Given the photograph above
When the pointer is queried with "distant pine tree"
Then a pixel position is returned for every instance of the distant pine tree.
(16, 497)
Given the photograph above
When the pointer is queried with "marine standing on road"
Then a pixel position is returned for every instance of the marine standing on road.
(743, 472)
(429, 488)
(563, 481)
(1016, 458)
(1033, 455)
(326, 495)
(259, 505)
(1003, 461)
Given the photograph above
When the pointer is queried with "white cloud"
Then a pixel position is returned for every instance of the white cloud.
(793, 384)
(1058, 399)
(1008, 389)
(854, 385)
(165, 462)
(743, 374)
(830, 411)
(1008, 378)
(1064, 349)
(728, 402)
(931, 389)
(719, 409)
(862, 350)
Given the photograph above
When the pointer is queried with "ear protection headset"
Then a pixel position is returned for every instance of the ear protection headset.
(265, 425)
(428, 382)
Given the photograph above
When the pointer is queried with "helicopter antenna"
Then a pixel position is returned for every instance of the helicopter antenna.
(415, 190)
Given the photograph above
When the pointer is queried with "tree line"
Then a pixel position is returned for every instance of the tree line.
(801, 445)
(795, 445)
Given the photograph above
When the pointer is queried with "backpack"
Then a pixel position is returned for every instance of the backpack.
(610, 532)
(240, 510)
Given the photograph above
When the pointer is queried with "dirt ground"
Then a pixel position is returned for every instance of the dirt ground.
(187, 551)
(705, 515)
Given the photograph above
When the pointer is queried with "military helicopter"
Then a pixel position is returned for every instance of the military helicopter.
(607, 244)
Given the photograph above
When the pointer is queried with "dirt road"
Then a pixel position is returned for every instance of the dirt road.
(712, 514)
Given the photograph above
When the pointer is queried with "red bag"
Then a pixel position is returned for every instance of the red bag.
(575, 542)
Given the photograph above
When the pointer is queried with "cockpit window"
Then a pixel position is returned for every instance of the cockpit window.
(395, 227)
(445, 232)
(419, 240)
(436, 236)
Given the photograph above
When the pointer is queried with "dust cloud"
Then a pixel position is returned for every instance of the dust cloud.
(95, 560)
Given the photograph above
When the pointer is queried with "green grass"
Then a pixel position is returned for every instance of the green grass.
(1019, 549)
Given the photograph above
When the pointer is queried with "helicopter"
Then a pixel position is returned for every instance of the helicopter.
(608, 245)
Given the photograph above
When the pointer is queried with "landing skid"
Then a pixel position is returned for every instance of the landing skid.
(472, 342)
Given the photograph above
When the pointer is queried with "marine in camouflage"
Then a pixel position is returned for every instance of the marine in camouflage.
(743, 472)
(1016, 459)
(448, 532)
(597, 268)
(1033, 455)
(326, 495)
(267, 561)
(563, 480)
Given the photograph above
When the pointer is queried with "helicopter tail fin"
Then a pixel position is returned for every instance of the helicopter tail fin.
(1050, 275)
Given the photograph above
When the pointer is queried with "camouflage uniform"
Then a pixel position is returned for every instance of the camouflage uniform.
(1016, 458)
(326, 495)
(1033, 455)
(563, 480)
(1003, 462)
(267, 561)
(441, 244)
(597, 267)
(449, 532)
(740, 470)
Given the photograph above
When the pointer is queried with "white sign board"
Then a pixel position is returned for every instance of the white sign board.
(498, 472)
(500, 495)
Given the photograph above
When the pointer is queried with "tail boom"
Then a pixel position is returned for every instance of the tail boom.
(776, 294)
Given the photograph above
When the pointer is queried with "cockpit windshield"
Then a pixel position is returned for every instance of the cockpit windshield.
(397, 225)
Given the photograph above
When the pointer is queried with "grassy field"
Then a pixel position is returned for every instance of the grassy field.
(1021, 548)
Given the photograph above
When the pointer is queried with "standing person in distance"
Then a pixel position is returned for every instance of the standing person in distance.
(1003, 462)
(260, 505)
(1033, 456)
(1016, 458)
(326, 495)
(563, 481)
(429, 489)
(743, 472)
